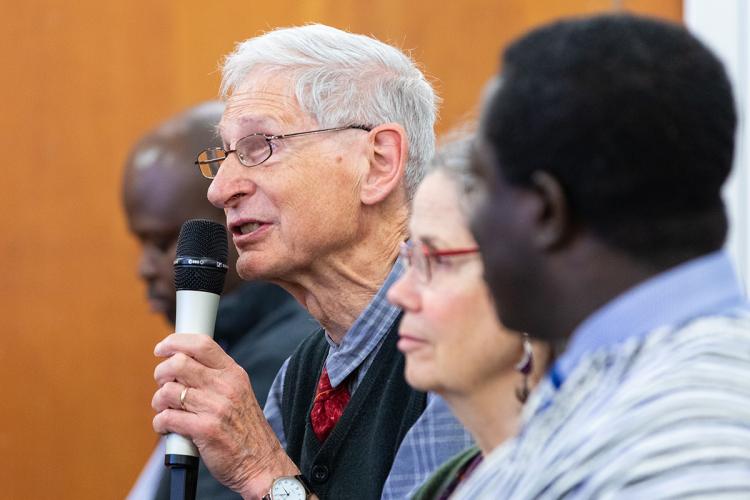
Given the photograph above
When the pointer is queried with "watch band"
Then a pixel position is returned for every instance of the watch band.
(303, 480)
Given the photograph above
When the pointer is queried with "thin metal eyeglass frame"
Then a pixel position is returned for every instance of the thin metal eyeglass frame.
(268, 139)
(408, 248)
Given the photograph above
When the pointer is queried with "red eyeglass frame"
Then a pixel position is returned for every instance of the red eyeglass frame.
(408, 247)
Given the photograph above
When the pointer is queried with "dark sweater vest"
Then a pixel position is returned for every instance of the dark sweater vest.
(355, 459)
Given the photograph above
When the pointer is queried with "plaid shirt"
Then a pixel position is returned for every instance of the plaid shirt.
(650, 400)
(436, 435)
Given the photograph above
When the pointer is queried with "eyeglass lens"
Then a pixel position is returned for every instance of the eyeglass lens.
(253, 150)
(417, 257)
(209, 161)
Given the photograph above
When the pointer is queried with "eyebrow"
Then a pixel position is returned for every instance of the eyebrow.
(260, 124)
(429, 241)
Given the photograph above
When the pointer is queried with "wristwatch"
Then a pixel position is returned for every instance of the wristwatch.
(288, 488)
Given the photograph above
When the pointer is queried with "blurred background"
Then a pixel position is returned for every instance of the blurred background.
(83, 80)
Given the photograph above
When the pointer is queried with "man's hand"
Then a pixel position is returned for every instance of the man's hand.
(221, 415)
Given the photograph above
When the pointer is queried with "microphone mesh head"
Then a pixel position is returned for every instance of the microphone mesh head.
(201, 239)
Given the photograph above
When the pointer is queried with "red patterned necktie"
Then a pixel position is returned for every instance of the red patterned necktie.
(328, 406)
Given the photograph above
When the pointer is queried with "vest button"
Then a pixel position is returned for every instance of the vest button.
(320, 473)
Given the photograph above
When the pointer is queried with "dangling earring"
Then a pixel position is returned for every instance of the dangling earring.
(524, 367)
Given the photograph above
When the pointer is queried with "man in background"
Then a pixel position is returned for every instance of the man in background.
(258, 324)
(605, 145)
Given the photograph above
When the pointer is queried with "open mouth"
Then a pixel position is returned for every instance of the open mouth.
(247, 227)
(249, 230)
(250, 227)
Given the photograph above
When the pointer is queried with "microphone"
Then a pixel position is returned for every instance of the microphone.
(200, 267)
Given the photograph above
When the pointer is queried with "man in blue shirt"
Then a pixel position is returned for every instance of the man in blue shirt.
(605, 143)
(325, 136)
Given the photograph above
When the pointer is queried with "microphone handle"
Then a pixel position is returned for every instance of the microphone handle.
(195, 313)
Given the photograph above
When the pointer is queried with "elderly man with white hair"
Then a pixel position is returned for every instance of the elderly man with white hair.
(325, 136)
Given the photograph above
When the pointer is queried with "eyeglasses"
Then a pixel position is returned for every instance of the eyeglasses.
(253, 149)
(423, 258)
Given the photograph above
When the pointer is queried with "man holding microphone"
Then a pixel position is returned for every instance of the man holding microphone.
(325, 136)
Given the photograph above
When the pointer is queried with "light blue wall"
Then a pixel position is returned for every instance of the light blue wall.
(724, 25)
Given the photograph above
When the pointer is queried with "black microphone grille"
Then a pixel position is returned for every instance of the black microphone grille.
(201, 261)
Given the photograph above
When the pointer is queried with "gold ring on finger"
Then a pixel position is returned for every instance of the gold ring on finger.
(182, 398)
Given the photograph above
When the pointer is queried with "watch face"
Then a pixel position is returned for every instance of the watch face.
(287, 488)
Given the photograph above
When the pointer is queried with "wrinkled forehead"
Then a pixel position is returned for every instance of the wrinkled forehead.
(265, 102)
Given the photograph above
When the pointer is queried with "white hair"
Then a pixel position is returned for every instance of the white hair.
(346, 79)
(453, 159)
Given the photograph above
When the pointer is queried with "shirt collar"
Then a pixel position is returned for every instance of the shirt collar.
(366, 333)
(699, 286)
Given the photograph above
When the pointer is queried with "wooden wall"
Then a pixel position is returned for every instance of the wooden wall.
(82, 80)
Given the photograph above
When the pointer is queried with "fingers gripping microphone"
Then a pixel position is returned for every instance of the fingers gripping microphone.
(200, 267)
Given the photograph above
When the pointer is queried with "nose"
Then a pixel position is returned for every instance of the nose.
(230, 184)
(404, 292)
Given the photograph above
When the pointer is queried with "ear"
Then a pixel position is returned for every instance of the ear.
(553, 219)
(386, 170)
